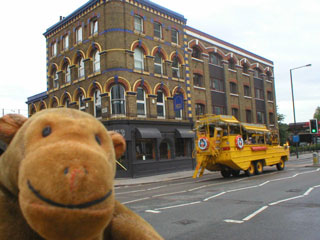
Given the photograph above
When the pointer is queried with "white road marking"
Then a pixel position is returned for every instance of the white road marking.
(154, 188)
(285, 200)
(176, 206)
(152, 211)
(214, 196)
(260, 185)
(135, 191)
(240, 189)
(308, 191)
(252, 215)
(167, 194)
(136, 200)
(232, 221)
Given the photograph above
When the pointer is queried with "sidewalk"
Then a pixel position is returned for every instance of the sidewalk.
(183, 174)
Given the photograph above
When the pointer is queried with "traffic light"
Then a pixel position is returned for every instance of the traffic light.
(313, 126)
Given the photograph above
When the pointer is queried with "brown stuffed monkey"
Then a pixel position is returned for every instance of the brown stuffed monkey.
(56, 180)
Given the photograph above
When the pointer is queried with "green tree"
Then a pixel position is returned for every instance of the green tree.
(317, 113)
(283, 128)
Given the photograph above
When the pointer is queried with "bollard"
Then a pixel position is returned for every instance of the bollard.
(315, 158)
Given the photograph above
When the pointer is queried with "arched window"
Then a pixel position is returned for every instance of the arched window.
(66, 101)
(215, 59)
(161, 113)
(42, 106)
(97, 103)
(32, 110)
(141, 102)
(175, 67)
(55, 79)
(67, 73)
(54, 103)
(158, 67)
(96, 61)
(118, 102)
(80, 68)
(196, 52)
(82, 106)
(138, 59)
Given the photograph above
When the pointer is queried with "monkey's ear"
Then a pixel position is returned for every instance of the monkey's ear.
(9, 125)
(118, 142)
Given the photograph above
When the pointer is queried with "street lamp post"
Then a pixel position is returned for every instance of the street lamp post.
(294, 111)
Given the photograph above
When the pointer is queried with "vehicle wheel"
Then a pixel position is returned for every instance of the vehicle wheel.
(250, 171)
(281, 165)
(258, 167)
(226, 173)
(235, 173)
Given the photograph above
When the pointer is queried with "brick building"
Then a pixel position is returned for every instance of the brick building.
(143, 72)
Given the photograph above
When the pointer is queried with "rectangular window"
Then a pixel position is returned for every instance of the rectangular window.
(233, 88)
(94, 26)
(138, 23)
(138, 59)
(65, 42)
(199, 109)
(271, 118)
(174, 36)
(197, 80)
(79, 35)
(218, 110)
(160, 105)
(56, 80)
(141, 109)
(54, 49)
(145, 149)
(217, 84)
(235, 112)
(260, 117)
(157, 30)
(248, 116)
(246, 91)
(259, 93)
(270, 96)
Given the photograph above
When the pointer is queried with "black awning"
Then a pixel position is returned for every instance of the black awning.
(184, 133)
(148, 133)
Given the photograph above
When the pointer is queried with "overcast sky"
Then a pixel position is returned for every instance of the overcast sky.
(286, 32)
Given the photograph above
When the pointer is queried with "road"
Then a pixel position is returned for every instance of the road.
(273, 205)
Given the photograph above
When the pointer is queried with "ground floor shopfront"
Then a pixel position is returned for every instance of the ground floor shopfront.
(154, 147)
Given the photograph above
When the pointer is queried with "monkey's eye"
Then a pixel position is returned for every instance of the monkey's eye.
(98, 139)
(46, 131)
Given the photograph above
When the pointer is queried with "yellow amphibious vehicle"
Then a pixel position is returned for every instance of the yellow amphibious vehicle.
(224, 144)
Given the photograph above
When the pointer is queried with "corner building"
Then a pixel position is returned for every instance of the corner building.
(140, 70)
